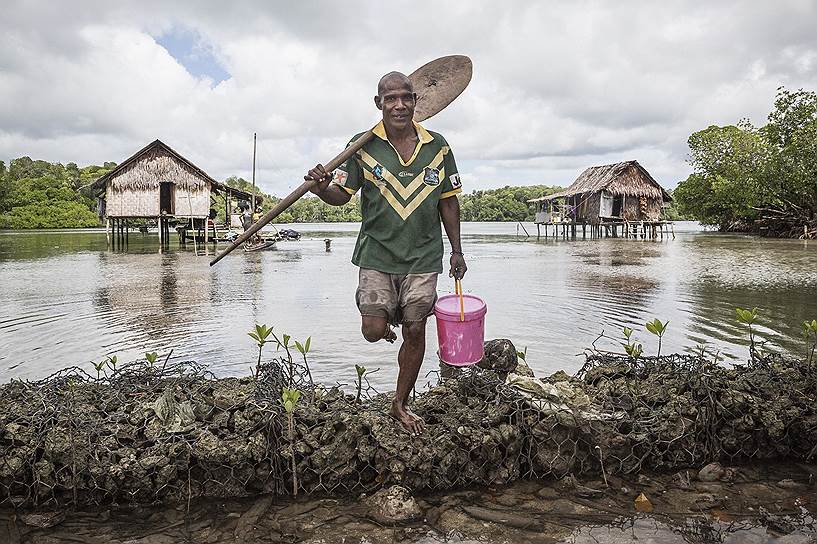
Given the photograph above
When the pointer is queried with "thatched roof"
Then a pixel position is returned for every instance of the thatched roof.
(622, 178)
(150, 166)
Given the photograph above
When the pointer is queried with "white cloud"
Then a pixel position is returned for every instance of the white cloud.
(557, 86)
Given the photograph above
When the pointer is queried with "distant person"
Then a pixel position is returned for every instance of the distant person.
(211, 222)
(246, 218)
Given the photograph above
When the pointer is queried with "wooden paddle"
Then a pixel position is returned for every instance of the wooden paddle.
(436, 84)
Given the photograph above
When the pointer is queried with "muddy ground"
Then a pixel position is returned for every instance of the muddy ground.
(760, 503)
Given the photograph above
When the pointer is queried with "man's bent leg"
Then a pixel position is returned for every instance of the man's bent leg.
(376, 298)
(410, 359)
(376, 328)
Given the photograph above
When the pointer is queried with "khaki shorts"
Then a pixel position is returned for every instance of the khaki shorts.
(399, 298)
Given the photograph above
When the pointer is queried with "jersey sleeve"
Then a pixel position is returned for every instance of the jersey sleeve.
(451, 184)
(349, 175)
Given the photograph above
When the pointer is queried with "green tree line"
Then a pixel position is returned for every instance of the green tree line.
(761, 179)
(505, 204)
(39, 194)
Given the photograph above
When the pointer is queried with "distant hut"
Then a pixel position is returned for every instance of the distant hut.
(158, 183)
(617, 193)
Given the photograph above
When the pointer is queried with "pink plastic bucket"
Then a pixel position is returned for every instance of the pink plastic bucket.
(461, 342)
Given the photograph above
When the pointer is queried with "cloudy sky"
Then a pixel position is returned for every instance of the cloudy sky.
(557, 87)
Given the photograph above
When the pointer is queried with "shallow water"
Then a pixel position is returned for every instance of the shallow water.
(766, 504)
(69, 299)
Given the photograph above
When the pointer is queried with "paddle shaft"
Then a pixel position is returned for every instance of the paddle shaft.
(293, 197)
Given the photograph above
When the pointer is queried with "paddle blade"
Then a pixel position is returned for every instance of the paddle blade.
(438, 83)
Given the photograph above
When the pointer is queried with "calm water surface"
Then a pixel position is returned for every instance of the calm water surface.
(67, 299)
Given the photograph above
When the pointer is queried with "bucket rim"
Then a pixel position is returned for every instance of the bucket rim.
(473, 314)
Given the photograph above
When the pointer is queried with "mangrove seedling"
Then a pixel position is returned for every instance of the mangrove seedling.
(99, 367)
(304, 349)
(634, 350)
(748, 317)
(631, 348)
(658, 329)
(289, 398)
(283, 342)
(260, 335)
(111, 361)
(523, 354)
(809, 329)
(151, 358)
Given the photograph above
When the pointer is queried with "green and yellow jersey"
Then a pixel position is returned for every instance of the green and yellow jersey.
(400, 232)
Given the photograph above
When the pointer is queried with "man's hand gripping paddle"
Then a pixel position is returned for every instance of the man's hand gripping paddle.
(436, 84)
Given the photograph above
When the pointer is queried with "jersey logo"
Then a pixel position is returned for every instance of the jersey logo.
(455, 181)
(341, 177)
(378, 172)
(431, 177)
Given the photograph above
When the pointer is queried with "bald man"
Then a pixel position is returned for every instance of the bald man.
(408, 181)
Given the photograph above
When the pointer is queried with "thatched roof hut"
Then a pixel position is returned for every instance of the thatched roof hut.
(156, 180)
(624, 191)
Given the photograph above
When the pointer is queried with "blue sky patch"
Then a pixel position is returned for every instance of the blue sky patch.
(193, 52)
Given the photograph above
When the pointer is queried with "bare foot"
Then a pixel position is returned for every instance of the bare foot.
(410, 421)
(390, 335)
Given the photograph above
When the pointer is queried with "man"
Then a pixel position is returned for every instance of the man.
(409, 181)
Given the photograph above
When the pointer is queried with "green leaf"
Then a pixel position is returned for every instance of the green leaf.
(360, 370)
(651, 327)
(286, 340)
(746, 316)
(308, 343)
(299, 347)
(627, 332)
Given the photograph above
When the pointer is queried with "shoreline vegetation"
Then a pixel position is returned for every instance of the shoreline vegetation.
(36, 194)
(760, 180)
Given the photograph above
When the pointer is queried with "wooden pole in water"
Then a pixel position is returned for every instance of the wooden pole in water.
(253, 170)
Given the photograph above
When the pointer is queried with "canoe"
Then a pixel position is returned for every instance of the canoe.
(260, 246)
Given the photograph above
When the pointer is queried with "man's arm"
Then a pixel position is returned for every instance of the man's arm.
(331, 193)
(450, 214)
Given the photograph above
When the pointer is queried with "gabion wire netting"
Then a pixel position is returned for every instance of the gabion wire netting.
(151, 433)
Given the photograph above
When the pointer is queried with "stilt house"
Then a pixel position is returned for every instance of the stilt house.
(623, 191)
(157, 182)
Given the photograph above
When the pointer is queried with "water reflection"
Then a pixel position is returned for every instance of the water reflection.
(68, 299)
(694, 530)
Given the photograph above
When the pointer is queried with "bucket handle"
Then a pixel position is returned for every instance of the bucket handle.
(458, 290)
